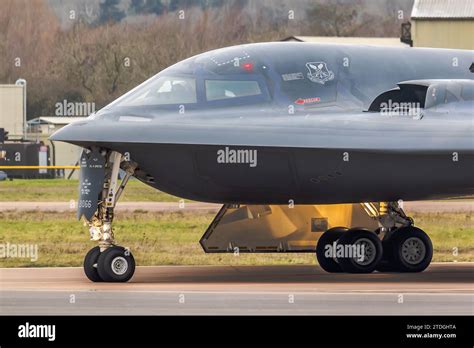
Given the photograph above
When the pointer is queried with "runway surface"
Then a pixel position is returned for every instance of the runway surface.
(121, 206)
(421, 207)
(443, 289)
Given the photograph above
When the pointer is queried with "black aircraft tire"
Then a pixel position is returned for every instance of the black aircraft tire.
(412, 249)
(387, 264)
(328, 238)
(372, 249)
(90, 264)
(116, 264)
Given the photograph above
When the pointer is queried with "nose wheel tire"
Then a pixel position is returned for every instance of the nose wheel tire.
(362, 251)
(329, 264)
(411, 249)
(116, 264)
(90, 265)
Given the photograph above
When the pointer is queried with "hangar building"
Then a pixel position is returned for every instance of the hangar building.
(443, 24)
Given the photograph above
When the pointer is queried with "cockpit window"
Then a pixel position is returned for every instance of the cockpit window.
(226, 89)
(164, 90)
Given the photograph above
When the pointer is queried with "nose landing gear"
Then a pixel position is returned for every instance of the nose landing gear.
(116, 264)
(106, 262)
(90, 264)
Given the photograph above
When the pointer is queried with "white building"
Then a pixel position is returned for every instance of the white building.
(65, 154)
(11, 110)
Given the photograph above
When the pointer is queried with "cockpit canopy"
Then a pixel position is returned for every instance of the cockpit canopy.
(283, 76)
(163, 90)
(173, 90)
(221, 78)
(246, 76)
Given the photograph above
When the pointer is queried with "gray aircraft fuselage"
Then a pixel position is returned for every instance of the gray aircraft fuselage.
(273, 122)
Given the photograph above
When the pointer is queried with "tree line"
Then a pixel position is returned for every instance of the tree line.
(97, 62)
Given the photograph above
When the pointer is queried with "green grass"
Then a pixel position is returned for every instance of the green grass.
(60, 190)
(448, 231)
(172, 239)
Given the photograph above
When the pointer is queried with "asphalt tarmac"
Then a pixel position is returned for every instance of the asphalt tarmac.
(464, 206)
(443, 289)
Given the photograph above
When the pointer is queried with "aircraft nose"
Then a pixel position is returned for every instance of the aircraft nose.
(73, 132)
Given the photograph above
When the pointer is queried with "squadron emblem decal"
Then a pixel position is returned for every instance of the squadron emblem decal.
(319, 72)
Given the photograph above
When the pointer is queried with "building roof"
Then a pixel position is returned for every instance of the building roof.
(60, 120)
(11, 86)
(443, 9)
(371, 41)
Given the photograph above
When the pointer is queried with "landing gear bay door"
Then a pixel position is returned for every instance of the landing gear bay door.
(278, 228)
(92, 174)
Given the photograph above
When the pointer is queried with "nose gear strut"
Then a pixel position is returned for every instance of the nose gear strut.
(96, 206)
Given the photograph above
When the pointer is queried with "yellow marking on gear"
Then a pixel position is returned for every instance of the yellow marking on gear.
(383, 208)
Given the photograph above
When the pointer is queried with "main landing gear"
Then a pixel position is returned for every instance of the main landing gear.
(108, 262)
(397, 246)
